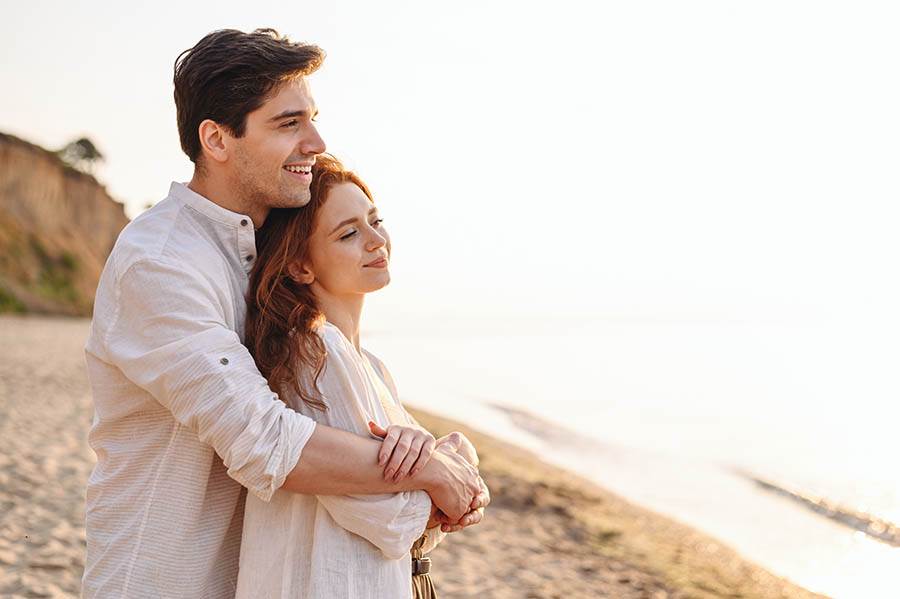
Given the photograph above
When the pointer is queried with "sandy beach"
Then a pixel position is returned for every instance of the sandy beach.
(548, 533)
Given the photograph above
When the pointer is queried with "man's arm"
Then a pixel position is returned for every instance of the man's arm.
(169, 336)
(335, 462)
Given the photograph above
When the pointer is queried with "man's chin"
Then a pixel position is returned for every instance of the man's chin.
(294, 200)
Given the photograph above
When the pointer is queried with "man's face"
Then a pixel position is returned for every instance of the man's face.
(272, 161)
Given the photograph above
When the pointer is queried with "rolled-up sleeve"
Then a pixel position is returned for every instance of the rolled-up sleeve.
(169, 336)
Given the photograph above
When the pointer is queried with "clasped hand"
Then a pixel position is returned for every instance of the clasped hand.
(405, 450)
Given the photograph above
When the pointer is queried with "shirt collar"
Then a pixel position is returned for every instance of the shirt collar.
(207, 207)
(245, 249)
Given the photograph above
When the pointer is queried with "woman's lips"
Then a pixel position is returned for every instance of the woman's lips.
(380, 263)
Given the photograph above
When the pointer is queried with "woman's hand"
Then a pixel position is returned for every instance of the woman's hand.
(436, 518)
(404, 451)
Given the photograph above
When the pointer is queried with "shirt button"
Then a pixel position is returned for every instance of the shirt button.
(223, 361)
(249, 258)
(244, 222)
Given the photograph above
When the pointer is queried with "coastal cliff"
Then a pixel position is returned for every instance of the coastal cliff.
(57, 227)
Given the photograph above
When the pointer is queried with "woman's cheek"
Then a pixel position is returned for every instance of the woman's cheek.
(348, 265)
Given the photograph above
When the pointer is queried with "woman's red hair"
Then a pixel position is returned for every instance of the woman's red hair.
(282, 314)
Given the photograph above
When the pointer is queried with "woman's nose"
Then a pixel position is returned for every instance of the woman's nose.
(376, 241)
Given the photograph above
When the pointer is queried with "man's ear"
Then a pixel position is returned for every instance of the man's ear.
(301, 273)
(213, 140)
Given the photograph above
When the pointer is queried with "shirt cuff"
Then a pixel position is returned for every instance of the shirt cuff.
(298, 431)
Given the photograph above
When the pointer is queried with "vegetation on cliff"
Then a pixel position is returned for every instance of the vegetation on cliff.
(57, 227)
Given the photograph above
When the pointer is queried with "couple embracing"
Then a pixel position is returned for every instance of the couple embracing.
(247, 444)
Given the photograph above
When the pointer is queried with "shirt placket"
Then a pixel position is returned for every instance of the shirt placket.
(246, 243)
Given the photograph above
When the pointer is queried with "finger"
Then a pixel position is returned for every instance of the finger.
(387, 446)
(455, 515)
(424, 456)
(454, 439)
(443, 518)
(411, 457)
(404, 442)
(377, 430)
(472, 518)
(481, 500)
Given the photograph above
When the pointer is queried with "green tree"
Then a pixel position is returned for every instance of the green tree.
(81, 154)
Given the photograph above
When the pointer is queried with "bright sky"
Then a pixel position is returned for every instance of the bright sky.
(665, 159)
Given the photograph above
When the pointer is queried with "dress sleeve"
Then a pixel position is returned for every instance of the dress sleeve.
(393, 521)
(169, 336)
(432, 536)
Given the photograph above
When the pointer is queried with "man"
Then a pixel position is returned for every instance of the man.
(183, 419)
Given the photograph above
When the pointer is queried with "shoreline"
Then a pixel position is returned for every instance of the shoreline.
(878, 528)
(548, 532)
(639, 552)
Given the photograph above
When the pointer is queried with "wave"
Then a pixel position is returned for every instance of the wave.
(545, 429)
(869, 524)
(873, 526)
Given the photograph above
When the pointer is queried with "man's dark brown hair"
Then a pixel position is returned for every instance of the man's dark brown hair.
(229, 74)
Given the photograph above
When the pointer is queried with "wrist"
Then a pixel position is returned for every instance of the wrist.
(428, 479)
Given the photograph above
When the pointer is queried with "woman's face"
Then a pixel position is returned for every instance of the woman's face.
(349, 249)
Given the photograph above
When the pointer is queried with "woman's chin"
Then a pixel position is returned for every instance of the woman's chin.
(377, 283)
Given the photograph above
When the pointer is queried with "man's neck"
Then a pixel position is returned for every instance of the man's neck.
(225, 194)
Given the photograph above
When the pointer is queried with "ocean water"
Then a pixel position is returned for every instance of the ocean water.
(676, 415)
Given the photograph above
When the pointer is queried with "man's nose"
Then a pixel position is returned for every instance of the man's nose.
(312, 143)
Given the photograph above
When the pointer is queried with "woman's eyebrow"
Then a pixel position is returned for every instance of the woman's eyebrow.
(342, 223)
(348, 221)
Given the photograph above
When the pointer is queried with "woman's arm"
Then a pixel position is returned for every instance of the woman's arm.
(457, 440)
(390, 522)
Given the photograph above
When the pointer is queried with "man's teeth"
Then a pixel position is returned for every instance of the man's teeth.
(299, 169)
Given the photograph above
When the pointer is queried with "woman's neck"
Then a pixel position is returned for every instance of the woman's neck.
(344, 313)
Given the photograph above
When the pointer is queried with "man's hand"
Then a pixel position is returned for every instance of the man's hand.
(473, 516)
(461, 444)
(452, 482)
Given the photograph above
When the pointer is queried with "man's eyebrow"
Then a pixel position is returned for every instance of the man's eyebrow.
(285, 114)
(351, 220)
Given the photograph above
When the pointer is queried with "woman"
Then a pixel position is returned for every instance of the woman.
(315, 265)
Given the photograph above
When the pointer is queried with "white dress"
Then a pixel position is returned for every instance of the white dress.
(329, 546)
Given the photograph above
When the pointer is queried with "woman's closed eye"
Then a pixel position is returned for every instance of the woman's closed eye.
(375, 224)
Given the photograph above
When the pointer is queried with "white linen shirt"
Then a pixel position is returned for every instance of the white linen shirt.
(183, 419)
(330, 546)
